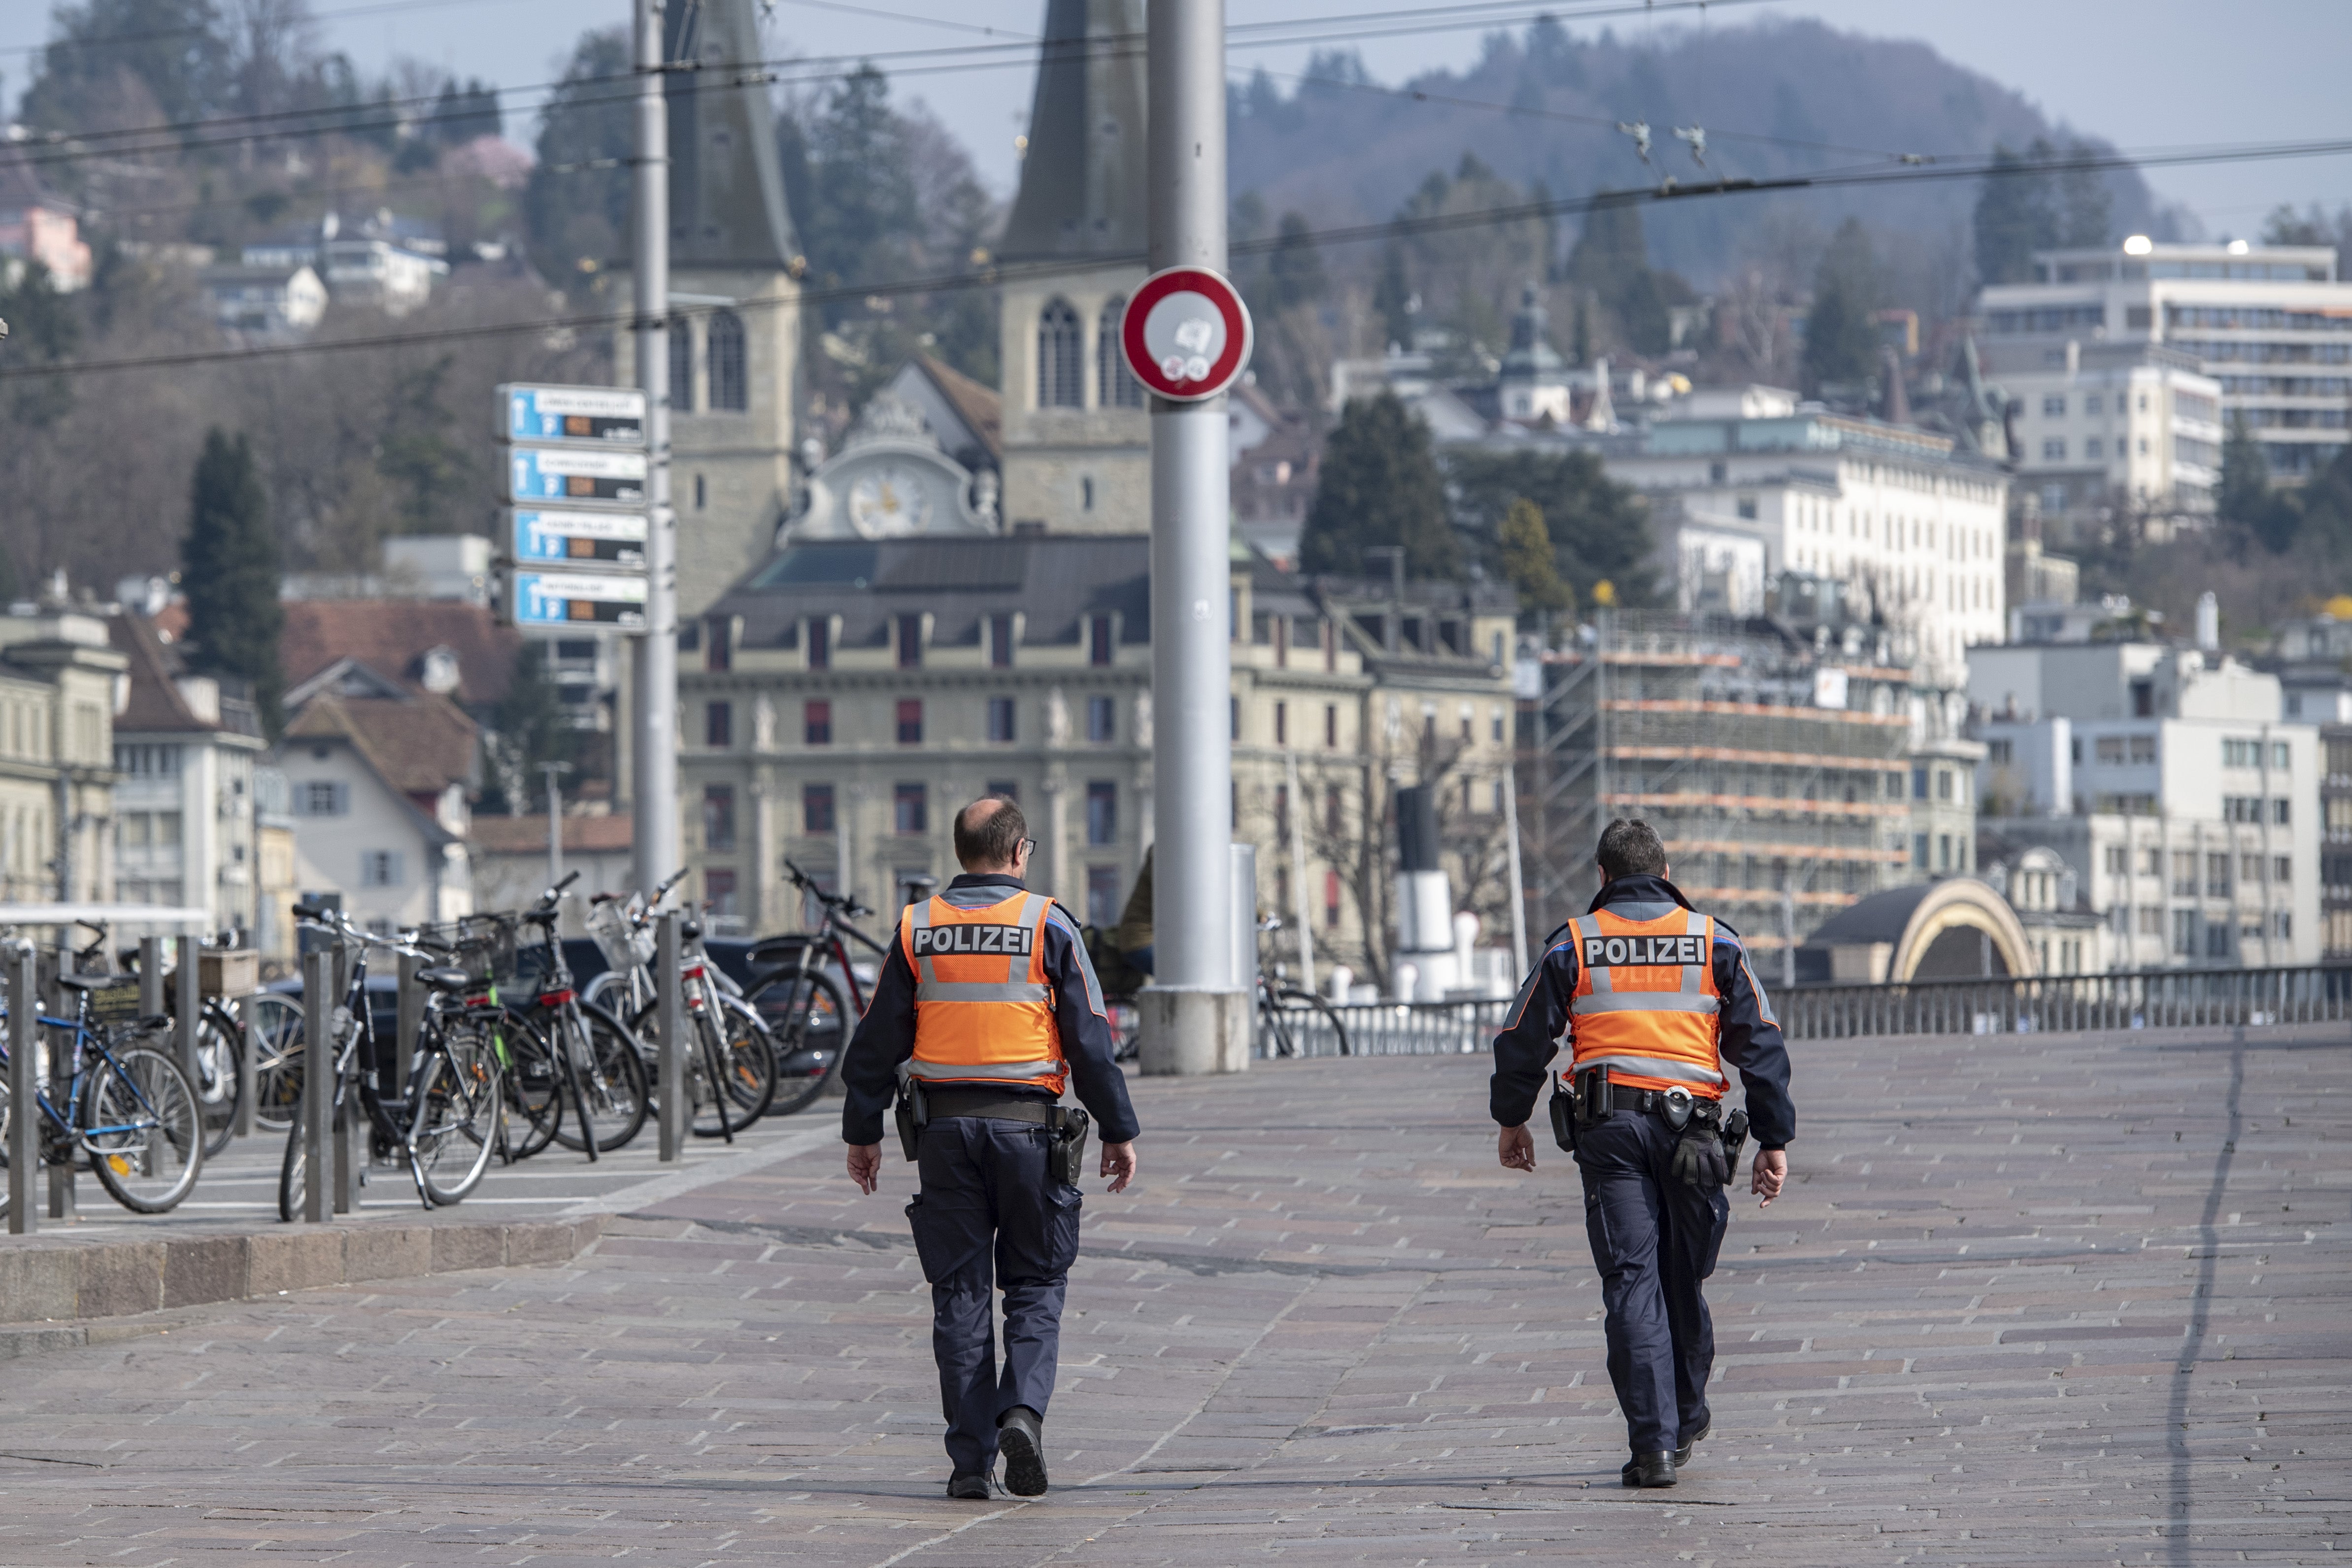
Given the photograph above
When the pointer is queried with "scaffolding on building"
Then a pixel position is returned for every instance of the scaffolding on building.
(1767, 754)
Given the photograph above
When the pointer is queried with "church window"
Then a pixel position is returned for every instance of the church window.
(1061, 362)
(1119, 387)
(681, 366)
(730, 386)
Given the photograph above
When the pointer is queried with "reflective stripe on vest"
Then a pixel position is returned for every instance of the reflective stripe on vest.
(983, 1010)
(1645, 1035)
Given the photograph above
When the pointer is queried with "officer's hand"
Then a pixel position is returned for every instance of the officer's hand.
(1771, 1170)
(1516, 1149)
(1119, 1163)
(866, 1165)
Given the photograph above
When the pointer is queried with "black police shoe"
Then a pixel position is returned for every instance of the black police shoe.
(1683, 1454)
(1021, 1439)
(971, 1486)
(1649, 1470)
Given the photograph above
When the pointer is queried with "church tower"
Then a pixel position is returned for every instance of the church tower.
(734, 333)
(1076, 438)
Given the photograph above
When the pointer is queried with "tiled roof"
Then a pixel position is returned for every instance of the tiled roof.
(155, 704)
(979, 406)
(419, 745)
(390, 636)
(528, 835)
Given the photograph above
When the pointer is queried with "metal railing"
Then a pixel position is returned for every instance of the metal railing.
(1398, 1028)
(2157, 998)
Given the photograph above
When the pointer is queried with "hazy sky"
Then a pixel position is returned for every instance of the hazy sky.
(2146, 74)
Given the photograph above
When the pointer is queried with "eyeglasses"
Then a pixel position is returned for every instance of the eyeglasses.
(1029, 847)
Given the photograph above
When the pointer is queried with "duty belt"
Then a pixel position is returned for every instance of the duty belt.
(1596, 1097)
(940, 1102)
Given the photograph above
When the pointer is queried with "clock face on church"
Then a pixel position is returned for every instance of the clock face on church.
(891, 497)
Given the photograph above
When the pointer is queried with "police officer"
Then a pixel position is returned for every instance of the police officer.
(1654, 998)
(986, 1009)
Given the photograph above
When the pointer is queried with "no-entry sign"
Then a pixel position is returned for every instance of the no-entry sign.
(1186, 333)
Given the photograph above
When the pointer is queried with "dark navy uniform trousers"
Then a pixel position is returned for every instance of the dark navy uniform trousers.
(989, 1215)
(1655, 1240)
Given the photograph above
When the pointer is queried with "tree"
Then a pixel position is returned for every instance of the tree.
(526, 728)
(2027, 206)
(1380, 485)
(1840, 334)
(1599, 528)
(1611, 258)
(177, 52)
(229, 571)
(1524, 547)
(1294, 271)
(2245, 478)
(577, 207)
(42, 330)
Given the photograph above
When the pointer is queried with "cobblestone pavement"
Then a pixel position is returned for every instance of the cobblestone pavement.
(2039, 1300)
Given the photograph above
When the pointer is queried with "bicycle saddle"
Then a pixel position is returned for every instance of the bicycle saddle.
(778, 949)
(89, 982)
(446, 980)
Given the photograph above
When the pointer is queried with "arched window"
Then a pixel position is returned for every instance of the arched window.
(1061, 357)
(1119, 387)
(681, 366)
(730, 384)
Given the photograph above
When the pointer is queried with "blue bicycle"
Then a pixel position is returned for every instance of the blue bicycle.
(127, 1107)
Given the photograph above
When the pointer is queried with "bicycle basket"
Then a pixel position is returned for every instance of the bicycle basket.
(116, 1004)
(624, 948)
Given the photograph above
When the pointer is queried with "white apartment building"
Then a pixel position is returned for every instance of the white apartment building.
(2273, 324)
(1914, 528)
(2098, 419)
(2163, 779)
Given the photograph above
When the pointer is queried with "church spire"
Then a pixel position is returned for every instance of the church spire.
(726, 186)
(1083, 178)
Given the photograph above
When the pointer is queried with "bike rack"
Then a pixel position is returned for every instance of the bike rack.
(23, 1088)
(672, 1014)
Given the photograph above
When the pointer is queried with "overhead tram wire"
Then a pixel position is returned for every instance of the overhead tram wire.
(995, 275)
(347, 119)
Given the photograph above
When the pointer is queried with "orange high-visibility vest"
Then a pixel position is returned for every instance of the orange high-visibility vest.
(984, 1013)
(1645, 1005)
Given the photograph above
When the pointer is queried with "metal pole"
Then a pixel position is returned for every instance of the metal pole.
(656, 741)
(61, 1054)
(409, 1016)
(1302, 904)
(1518, 879)
(668, 999)
(247, 1075)
(151, 981)
(23, 1088)
(1198, 1021)
(318, 1076)
(189, 1012)
(555, 770)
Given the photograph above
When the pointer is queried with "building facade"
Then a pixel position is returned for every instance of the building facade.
(57, 683)
(2187, 811)
(378, 789)
(2101, 425)
(2272, 324)
(864, 692)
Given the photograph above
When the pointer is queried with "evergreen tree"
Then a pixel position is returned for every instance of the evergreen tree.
(1841, 337)
(42, 330)
(526, 728)
(577, 207)
(2245, 478)
(1294, 271)
(1524, 545)
(1597, 528)
(1393, 300)
(230, 572)
(1380, 485)
(1611, 258)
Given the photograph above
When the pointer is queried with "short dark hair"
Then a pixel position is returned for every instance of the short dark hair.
(990, 838)
(1629, 847)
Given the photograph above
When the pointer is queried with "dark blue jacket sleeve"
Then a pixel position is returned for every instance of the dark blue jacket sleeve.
(1751, 1042)
(885, 1038)
(1087, 1041)
(1531, 1036)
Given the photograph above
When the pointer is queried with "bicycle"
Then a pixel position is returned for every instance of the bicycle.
(730, 1063)
(131, 1112)
(220, 1050)
(445, 1120)
(1280, 1003)
(571, 1056)
(816, 1016)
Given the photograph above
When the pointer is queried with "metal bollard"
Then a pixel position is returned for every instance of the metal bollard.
(151, 977)
(318, 1076)
(671, 1010)
(62, 1197)
(247, 1084)
(23, 1088)
(411, 1019)
(189, 1015)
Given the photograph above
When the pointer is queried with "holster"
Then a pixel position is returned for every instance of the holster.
(1734, 1134)
(1563, 1116)
(913, 1115)
(1067, 1160)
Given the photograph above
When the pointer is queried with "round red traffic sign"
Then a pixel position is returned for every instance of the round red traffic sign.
(1186, 333)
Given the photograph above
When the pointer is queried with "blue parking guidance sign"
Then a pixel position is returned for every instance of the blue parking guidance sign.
(562, 473)
(582, 601)
(588, 539)
(590, 416)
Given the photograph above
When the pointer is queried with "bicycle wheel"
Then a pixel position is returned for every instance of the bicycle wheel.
(813, 1032)
(220, 1048)
(293, 1169)
(273, 1032)
(600, 1055)
(458, 1099)
(1274, 1031)
(1292, 997)
(742, 1058)
(532, 1084)
(143, 1131)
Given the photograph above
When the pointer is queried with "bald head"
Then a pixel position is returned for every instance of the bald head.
(989, 834)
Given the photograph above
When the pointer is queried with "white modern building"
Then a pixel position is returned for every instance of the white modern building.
(2099, 422)
(264, 301)
(2273, 324)
(2163, 777)
(1912, 526)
